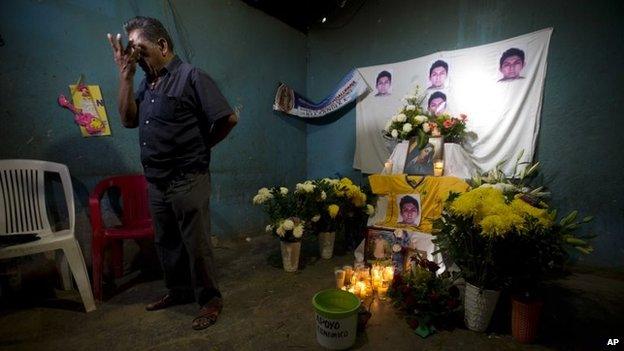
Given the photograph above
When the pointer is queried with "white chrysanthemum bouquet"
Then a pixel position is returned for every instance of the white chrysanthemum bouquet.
(411, 120)
(314, 206)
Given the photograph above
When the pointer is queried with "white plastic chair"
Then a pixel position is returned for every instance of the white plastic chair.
(23, 210)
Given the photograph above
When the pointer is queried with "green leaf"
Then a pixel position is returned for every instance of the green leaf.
(587, 219)
(569, 218)
(532, 169)
(422, 138)
(576, 241)
(586, 251)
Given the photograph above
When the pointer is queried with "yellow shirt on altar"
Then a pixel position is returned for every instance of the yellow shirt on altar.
(433, 193)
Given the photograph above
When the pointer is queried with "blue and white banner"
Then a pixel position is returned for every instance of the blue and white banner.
(349, 89)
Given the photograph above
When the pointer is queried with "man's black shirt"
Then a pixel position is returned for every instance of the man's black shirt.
(175, 119)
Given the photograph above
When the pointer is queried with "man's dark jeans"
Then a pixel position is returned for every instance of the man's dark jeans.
(180, 211)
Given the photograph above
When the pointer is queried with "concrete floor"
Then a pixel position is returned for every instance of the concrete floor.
(268, 309)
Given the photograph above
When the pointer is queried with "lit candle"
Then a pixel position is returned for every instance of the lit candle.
(340, 278)
(348, 273)
(366, 291)
(388, 274)
(382, 291)
(388, 167)
(376, 272)
(438, 168)
(366, 274)
(361, 286)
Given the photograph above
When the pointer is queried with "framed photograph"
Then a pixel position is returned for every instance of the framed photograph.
(378, 244)
(419, 161)
(409, 209)
(384, 244)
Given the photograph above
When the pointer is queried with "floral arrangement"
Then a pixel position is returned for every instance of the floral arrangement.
(503, 232)
(353, 198)
(314, 205)
(283, 208)
(413, 121)
(453, 129)
(429, 301)
(355, 207)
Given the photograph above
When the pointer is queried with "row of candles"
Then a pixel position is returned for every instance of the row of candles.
(438, 168)
(363, 281)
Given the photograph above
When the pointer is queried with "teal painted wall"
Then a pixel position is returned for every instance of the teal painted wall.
(48, 43)
(580, 143)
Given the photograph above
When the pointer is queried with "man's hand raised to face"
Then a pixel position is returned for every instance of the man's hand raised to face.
(125, 59)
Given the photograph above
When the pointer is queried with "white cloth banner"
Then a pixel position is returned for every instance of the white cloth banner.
(499, 86)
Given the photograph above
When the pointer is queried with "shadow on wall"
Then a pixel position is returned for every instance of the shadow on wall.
(89, 160)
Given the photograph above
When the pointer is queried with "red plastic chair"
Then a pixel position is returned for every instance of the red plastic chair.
(136, 223)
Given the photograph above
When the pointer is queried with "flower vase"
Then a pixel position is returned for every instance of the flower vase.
(326, 244)
(290, 255)
(479, 305)
(525, 317)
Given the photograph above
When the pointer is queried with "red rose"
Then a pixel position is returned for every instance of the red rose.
(452, 304)
(410, 302)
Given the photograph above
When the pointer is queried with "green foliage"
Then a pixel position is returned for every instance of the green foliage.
(473, 253)
(453, 129)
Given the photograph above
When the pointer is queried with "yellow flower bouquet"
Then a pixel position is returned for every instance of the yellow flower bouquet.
(503, 234)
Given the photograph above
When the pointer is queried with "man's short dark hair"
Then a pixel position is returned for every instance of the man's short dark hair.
(151, 29)
(383, 74)
(438, 63)
(437, 94)
(509, 53)
(408, 200)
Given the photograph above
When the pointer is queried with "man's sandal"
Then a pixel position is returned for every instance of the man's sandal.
(208, 314)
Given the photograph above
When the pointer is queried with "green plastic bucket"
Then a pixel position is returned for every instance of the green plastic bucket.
(336, 318)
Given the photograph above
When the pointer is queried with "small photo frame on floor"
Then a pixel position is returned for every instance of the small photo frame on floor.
(383, 244)
(378, 245)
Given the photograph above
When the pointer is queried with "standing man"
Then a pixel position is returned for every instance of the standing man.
(181, 115)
